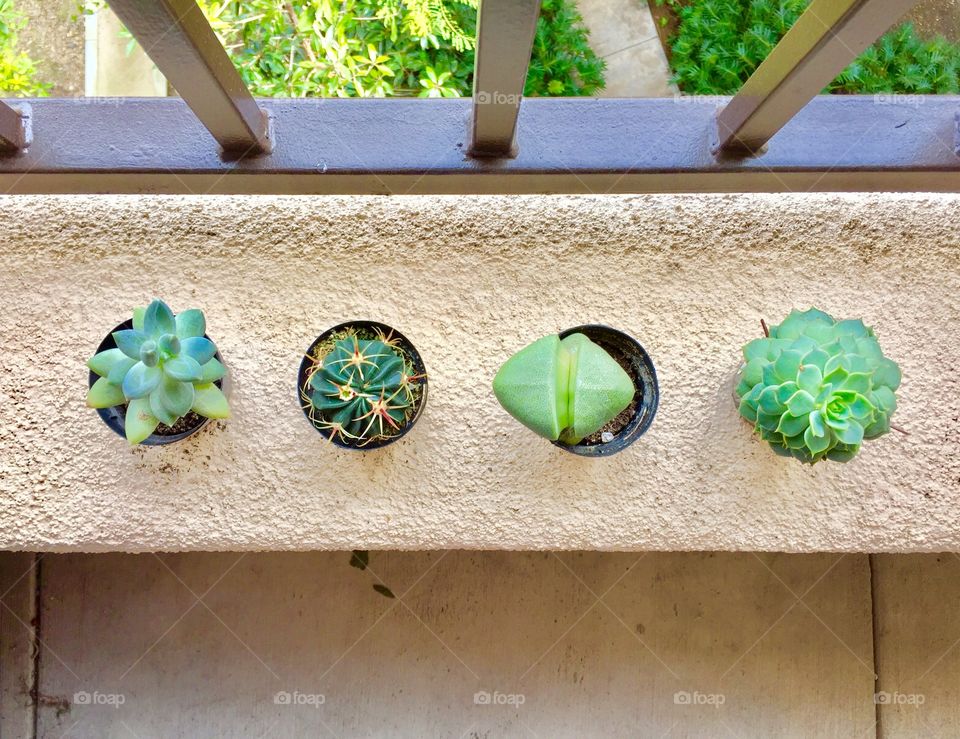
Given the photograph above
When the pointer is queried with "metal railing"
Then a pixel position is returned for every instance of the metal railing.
(13, 129)
(497, 141)
(824, 40)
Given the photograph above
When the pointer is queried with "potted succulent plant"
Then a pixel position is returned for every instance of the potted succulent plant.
(362, 385)
(591, 390)
(157, 378)
(815, 388)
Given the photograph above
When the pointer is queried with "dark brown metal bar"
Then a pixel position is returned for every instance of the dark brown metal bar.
(505, 31)
(350, 146)
(825, 39)
(177, 37)
(13, 130)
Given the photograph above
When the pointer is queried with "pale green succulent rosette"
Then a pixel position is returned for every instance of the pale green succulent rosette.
(162, 368)
(817, 387)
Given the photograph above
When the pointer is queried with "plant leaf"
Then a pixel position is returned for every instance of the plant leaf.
(842, 455)
(140, 421)
(885, 399)
(129, 342)
(888, 374)
(816, 444)
(792, 425)
(818, 358)
(753, 372)
(191, 323)
(199, 348)
(800, 403)
(817, 426)
(768, 402)
(178, 397)
(858, 382)
(852, 434)
(158, 319)
(600, 388)
(210, 402)
(768, 421)
(166, 416)
(526, 386)
(212, 370)
(810, 378)
(748, 411)
(861, 408)
(141, 380)
(104, 395)
(120, 370)
(102, 362)
(788, 365)
(183, 368)
(854, 327)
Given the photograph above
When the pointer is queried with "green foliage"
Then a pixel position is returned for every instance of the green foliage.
(377, 48)
(162, 368)
(816, 387)
(563, 390)
(562, 63)
(361, 390)
(17, 70)
(720, 42)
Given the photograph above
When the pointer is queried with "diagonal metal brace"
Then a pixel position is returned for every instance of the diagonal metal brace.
(15, 131)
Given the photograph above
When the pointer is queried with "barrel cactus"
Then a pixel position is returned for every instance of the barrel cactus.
(162, 368)
(815, 388)
(361, 389)
(563, 389)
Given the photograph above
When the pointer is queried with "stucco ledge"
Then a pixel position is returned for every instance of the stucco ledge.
(469, 280)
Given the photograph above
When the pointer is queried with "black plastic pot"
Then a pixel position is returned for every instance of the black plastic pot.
(644, 379)
(418, 369)
(114, 416)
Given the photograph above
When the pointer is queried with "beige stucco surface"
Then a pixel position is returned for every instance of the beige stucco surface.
(470, 280)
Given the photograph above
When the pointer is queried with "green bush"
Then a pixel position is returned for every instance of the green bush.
(373, 48)
(720, 42)
(17, 70)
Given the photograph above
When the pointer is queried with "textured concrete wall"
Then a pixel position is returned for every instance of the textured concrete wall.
(470, 280)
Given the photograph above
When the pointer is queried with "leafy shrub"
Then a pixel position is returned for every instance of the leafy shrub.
(720, 42)
(17, 70)
(373, 48)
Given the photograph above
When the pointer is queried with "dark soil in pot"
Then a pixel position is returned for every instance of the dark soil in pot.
(114, 417)
(365, 330)
(634, 420)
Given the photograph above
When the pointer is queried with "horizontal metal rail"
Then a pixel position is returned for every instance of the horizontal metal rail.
(13, 131)
(399, 146)
(505, 31)
(824, 40)
(180, 41)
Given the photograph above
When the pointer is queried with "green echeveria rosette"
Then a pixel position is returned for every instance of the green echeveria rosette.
(362, 390)
(162, 368)
(817, 387)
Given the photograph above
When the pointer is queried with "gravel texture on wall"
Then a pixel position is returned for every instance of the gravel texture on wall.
(470, 280)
